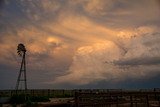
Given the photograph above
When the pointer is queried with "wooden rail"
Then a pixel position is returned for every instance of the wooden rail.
(99, 97)
(39, 92)
(119, 98)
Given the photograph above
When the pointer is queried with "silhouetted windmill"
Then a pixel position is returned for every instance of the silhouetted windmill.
(21, 50)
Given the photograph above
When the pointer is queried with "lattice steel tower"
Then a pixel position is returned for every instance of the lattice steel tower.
(21, 50)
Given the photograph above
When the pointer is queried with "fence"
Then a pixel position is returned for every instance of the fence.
(119, 98)
(99, 97)
(39, 92)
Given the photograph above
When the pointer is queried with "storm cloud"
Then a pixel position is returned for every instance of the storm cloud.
(140, 61)
(80, 42)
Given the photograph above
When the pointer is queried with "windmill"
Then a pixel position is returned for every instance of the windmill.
(21, 50)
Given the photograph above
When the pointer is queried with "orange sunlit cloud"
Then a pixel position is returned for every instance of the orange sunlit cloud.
(83, 41)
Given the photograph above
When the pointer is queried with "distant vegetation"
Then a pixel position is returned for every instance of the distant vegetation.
(40, 92)
(20, 99)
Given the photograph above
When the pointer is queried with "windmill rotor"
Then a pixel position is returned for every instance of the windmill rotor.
(21, 49)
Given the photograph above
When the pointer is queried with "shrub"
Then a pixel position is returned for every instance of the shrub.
(21, 99)
(18, 99)
(39, 98)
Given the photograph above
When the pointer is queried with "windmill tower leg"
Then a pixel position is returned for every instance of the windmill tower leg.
(25, 77)
(22, 76)
(22, 70)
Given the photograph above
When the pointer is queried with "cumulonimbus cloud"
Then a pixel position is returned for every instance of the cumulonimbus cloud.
(105, 61)
(82, 41)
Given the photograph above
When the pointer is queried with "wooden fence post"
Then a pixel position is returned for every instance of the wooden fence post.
(76, 99)
(131, 100)
(117, 101)
(147, 100)
(48, 92)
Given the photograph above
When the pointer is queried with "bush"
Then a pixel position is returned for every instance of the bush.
(21, 99)
(39, 98)
(18, 99)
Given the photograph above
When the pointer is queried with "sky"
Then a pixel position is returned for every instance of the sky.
(81, 43)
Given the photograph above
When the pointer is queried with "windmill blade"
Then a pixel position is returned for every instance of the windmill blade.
(19, 53)
(21, 47)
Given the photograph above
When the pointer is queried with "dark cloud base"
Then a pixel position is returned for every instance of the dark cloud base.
(149, 83)
(139, 61)
(36, 81)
